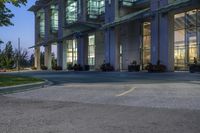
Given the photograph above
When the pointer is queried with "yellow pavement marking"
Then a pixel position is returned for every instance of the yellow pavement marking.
(126, 92)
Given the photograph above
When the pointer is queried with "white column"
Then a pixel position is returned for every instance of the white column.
(37, 58)
(48, 57)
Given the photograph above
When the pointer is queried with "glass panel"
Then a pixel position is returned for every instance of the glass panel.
(96, 8)
(71, 11)
(186, 39)
(54, 18)
(128, 2)
(91, 50)
(71, 52)
(146, 55)
(41, 19)
(179, 21)
(191, 19)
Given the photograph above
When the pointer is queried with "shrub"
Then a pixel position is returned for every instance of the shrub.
(77, 67)
(194, 68)
(70, 66)
(44, 67)
(33, 68)
(86, 67)
(106, 67)
(57, 68)
(133, 67)
(156, 68)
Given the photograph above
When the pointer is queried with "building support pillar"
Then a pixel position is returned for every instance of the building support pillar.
(82, 43)
(112, 47)
(37, 58)
(48, 57)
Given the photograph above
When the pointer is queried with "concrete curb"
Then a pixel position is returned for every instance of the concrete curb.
(24, 87)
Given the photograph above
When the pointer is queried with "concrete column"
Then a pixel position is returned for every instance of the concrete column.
(48, 57)
(61, 4)
(112, 47)
(37, 58)
(64, 61)
(82, 43)
(155, 36)
(162, 36)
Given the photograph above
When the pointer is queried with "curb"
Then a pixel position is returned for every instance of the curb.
(24, 87)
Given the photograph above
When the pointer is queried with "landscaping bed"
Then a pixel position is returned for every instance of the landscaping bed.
(8, 80)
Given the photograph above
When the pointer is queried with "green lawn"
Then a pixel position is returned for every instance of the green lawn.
(8, 80)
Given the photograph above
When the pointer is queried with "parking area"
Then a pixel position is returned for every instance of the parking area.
(89, 102)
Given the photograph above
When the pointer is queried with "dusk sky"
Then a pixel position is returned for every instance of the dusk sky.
(23, 27)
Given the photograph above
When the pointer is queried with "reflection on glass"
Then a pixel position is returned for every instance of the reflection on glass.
(72, 52)
(186, 36)
(95, 8)
(71, 11)
(41, 20)
(146, 48)
(54, 18)
(91, 50)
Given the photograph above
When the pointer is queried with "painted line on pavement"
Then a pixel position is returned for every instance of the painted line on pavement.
(126, 92)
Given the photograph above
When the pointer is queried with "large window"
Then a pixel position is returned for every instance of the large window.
(72, 52)
(91, 50)
(54, 18)
(95, 8)
(186, 39)
(72, 11)
(41, 21)
(146, 47)
(128, 2)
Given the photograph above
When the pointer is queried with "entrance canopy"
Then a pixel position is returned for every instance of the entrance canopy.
(130, 17)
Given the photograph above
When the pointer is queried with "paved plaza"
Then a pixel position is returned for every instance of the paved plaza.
(96, 102)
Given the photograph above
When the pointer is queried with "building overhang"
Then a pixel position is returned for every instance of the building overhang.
(44, 43)
(82, 26)
(130, 17)
(174, 6)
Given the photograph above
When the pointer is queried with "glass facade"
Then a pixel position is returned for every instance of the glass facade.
(54, 18)
(72, 11)
(72, 52)
(91, 50)
(95, 8)
(128, 2)
(146, 45)
(186, 39)
(41, 20)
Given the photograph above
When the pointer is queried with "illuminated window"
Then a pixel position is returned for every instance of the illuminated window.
(91, 50)
(72, 11)
(72, 52)
(128, 2)
(96, 8)
(146, 48)
(186, 39)
(54, 18)
(41, 20)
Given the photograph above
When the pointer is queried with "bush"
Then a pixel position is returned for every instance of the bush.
(33, 68)
(77, 67)
(194, 68)
(57, 68)
(44, 68)
(106, 67)
(156, 68)
(70, 66)
(133, 67)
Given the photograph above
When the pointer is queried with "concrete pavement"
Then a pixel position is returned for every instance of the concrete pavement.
(105, 103)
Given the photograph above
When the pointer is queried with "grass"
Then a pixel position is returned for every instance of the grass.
(8, 80)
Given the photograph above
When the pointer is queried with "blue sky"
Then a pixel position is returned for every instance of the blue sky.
(23, 27)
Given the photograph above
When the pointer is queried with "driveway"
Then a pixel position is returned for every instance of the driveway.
(94, 102)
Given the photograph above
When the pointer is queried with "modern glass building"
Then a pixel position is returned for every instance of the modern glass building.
(91, 32)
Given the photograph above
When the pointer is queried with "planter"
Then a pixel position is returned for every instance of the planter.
(194, 68)
(133, 68)
(156, 68)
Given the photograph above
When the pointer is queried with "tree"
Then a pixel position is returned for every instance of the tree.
(7, 56)
(22, 57)
(5, 13)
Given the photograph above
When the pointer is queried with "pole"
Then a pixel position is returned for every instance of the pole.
(18, 55)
